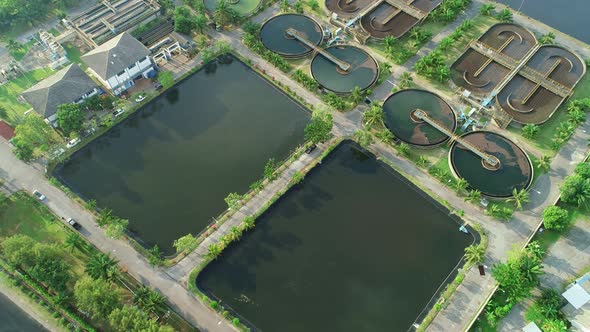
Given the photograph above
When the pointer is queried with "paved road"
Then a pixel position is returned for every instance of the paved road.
(21, 176)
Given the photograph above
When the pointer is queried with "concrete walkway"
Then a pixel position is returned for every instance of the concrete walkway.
(564, 261)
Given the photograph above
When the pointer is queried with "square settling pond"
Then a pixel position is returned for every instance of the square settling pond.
(168, 167)
(353, 247)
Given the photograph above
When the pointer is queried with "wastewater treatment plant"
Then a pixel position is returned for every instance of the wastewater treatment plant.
(329, 165)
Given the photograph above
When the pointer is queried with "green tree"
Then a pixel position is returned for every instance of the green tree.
(313, 4)
(356, 95)
(200, 23)
(583, 169)
(251, 28)
(576, 190)
(183, 20)
(147, 299)
(555, 217)
(224, 14)
(530, 131)
(505, 15)
(363, 138)
(373, 116)
(74, 241)
(544, 163)
(460, 185)
(320, 127)
(116, 228)
(405, 80)
(132, 319)
(70, 118)
(475, 254)
(549, 303)
(487, 9)
(519, 197)
(473, 196)
(232, 200)
(214, 250)
(100, 266)
(185, 243)
(548, 38)
(384, 135)
(166, 78)
(554, 325)
(298, 7)
(96, 296)
(404, 149)
(284, 5)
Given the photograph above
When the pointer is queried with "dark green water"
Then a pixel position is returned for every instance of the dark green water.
(363, 71)
(274, 38)
(351, 248)
(567, 16)
(13, 319)
(397, 110)
(515, 171)
(168, 168)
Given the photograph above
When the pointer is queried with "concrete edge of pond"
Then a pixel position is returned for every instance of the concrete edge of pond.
(214, 301)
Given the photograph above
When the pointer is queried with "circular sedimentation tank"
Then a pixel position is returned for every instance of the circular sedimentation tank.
(362, 73)
(515, 169)
(273, 34)
(399, 107)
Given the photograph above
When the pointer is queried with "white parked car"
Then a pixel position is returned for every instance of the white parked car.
(39, 195)
(140, 98)
(73, 142)
(118, 112)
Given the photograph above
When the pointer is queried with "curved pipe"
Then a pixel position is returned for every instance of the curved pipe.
(514, 108)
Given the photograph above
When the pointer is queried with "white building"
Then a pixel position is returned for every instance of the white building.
(69, 85)
(120, 61)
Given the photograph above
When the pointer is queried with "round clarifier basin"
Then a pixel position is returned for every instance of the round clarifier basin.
(273, 34)
(363, 71)
(399, 107)
(515, 169)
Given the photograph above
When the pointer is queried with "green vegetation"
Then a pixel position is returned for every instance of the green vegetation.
(224, 14)
(166, 78)
(41, 254)
(320, 127)
(475, 254)
(575, 190)
(516, 278)
(10, 92)
(70, 118)
(556, 218)
(74, 54)
(23, 13)
(505, 16)
(545, 312)
(33, 137)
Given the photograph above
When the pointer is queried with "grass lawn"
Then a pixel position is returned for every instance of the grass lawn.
(9, 93)
(20, 53)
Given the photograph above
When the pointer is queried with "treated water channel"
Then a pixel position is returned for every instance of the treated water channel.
(353, 247)
(169, 167)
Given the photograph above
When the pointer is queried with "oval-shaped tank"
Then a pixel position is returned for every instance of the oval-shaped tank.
(363, 70)
(273, 34)
(399, 107)
(515, 169)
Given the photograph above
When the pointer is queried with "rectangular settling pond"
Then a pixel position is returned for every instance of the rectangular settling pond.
(354, 247)
(169, 167)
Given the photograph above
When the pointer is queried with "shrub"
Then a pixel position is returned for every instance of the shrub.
(555, 217)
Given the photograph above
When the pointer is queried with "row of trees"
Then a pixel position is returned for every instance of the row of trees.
(516, 278)
(449, 10)
(575, 189)
(25, 12)
(185, 22)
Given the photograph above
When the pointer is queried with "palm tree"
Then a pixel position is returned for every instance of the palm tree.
(214, 250)
(13, 45)
(460, 185)
(373, 116)
(403, 148)
(155, 301)
(505, 15)
(577, 116)
(223, 13)
(141, 296)
(356, 95)
(405, 80)
(475, 254)
(487, 9)
(530, 131)
(363, 138)
(474, 196)
(423, 161)
(384, 135)
(101, 266)
(544, 163)
(284, 5)
(519, 197)
(547, 38)
(389, 43)
(73, 241)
